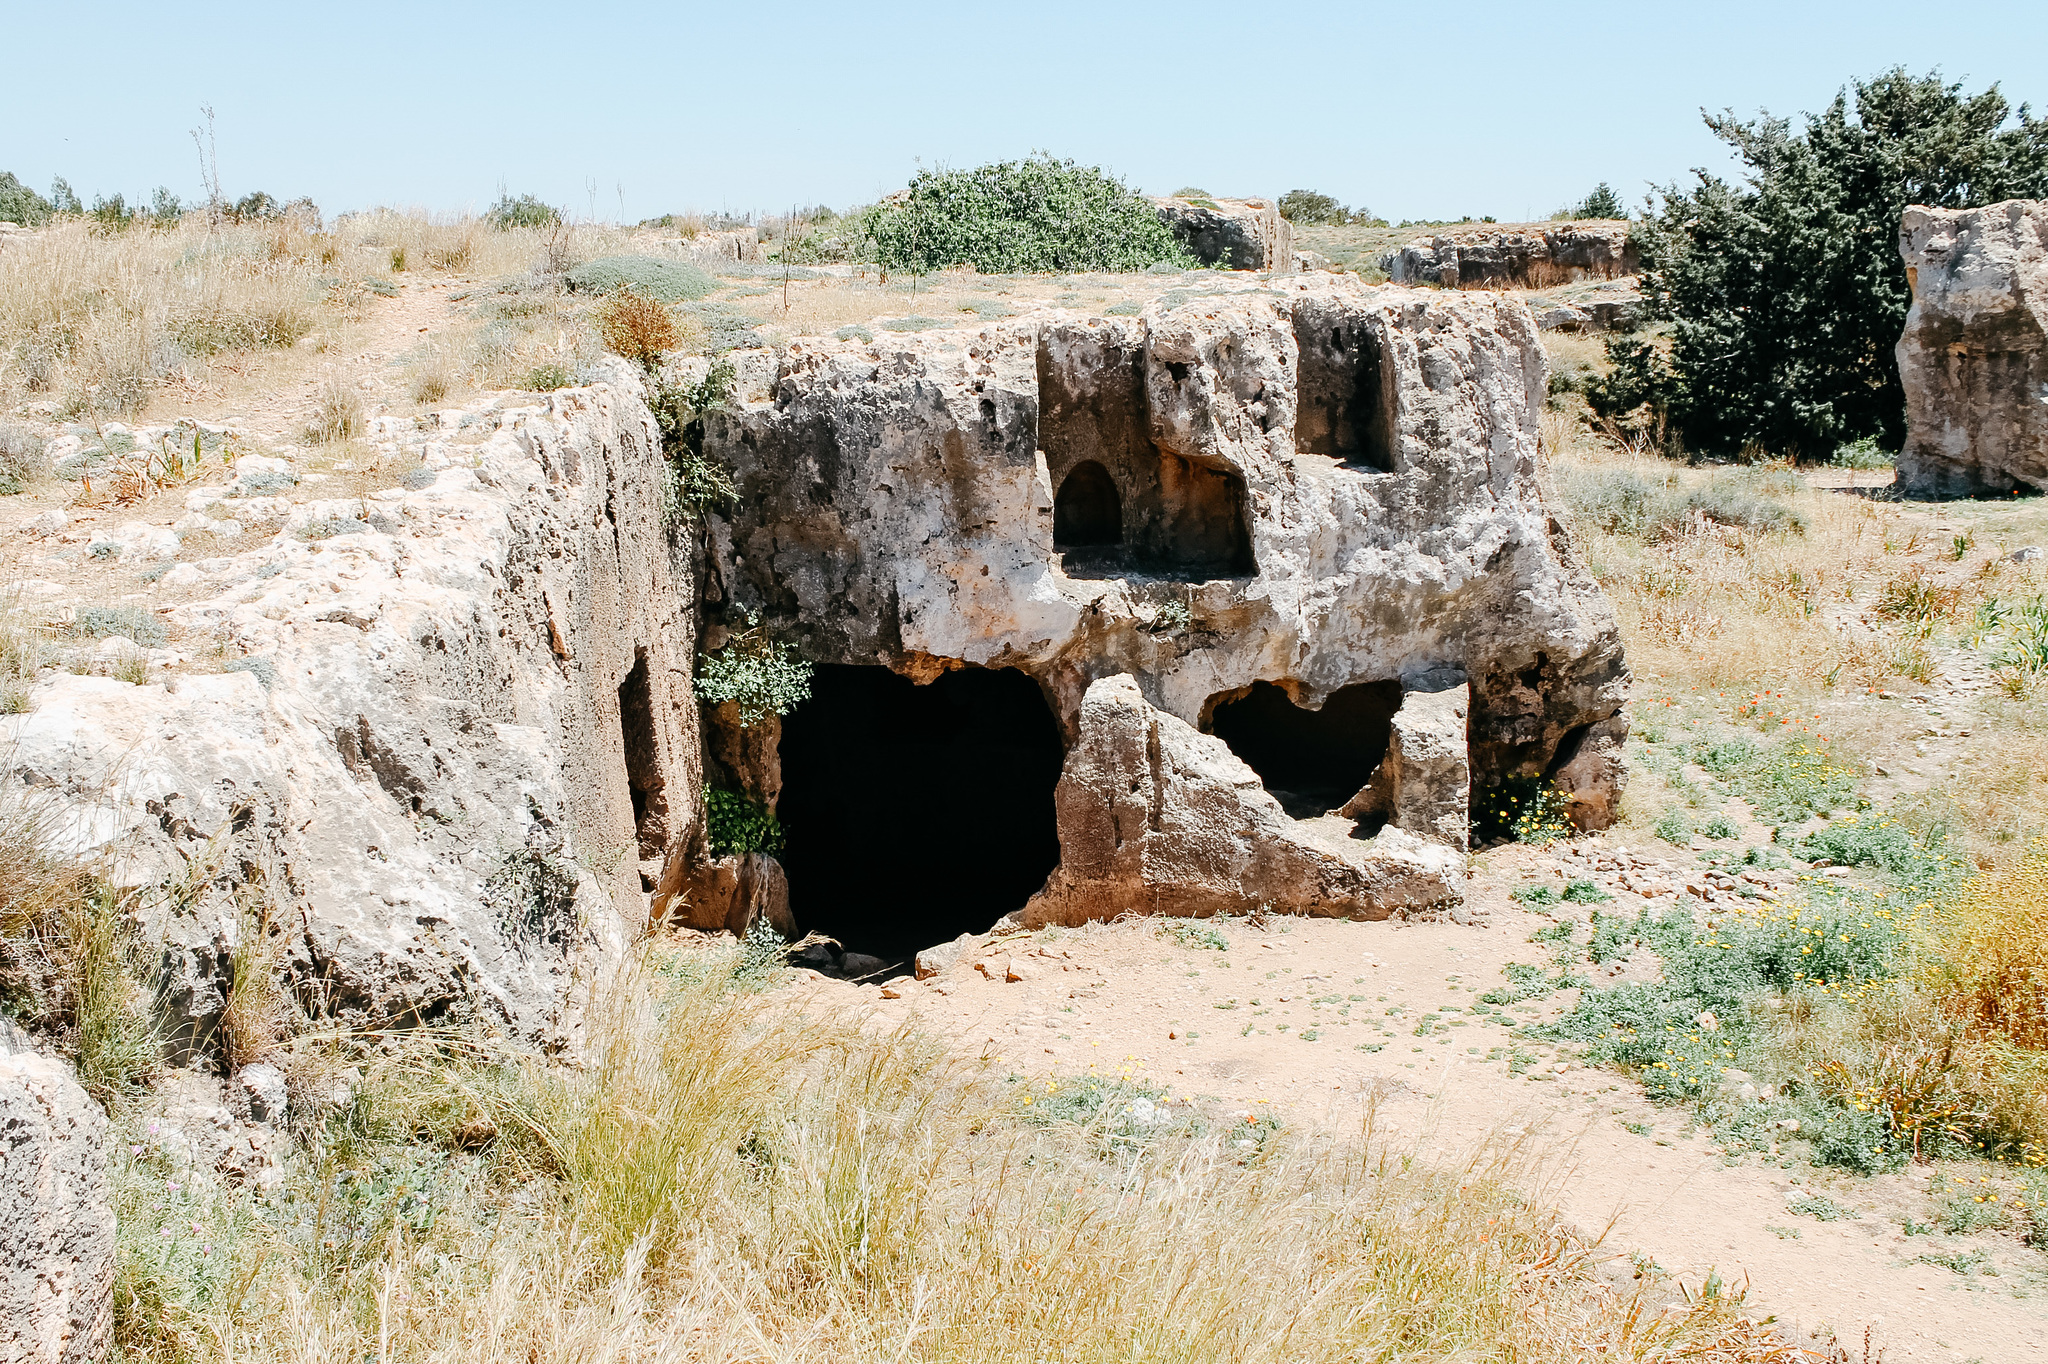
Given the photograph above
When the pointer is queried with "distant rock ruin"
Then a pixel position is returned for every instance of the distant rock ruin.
(1231, 234)
(1974, 355)
(1235, 604)
(1531, 256)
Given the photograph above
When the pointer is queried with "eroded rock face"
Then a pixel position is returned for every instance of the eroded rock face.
(1974, 356)
(1232, 234)
(56, 1225)
(1156, 817)
(1424, 784)
(1536, 256)
(1319, 492)
(462, 744)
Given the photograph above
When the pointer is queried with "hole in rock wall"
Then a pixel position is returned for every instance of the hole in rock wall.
(1087, 510)
(1204, 534)
(1173, 517)
(1345, 409)
(1311, 761)
(643, 768)
(916, 813)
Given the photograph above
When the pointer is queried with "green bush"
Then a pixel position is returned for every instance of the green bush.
(1311, 209)
(1033, 216)
(524, 211)
(1521, 809)
(131, 622)
(1785, 291)
(666, 281)
(757, 673)
(20, 204)
(734, 825)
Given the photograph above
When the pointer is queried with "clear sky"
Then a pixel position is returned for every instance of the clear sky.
(1419, 111)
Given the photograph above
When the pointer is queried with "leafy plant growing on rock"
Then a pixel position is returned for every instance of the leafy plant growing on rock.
(692, 481)
(734, 825)
(760, 675)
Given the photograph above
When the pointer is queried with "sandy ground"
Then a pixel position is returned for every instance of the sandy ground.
(1314, 1020)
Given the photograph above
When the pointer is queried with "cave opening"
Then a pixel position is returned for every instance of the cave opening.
(1345, 408)
(1311, 761)
(916, 813)
(1203, 533)
(643, 770)
(1087, 509)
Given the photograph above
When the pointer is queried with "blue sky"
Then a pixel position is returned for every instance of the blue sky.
(1416, 110)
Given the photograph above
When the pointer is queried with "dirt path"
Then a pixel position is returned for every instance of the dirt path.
(1315, 1019)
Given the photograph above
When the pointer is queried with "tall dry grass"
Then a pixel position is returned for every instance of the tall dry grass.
(729, 1176)
(95, 322)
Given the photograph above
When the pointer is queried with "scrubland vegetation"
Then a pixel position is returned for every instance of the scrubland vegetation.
(729, 1178)
(1893, 1015)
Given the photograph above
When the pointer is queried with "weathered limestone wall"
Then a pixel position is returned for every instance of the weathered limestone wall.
(1336, 484)
(1232, 234)
(56, 1225)
(1974, 355)
(468, 744)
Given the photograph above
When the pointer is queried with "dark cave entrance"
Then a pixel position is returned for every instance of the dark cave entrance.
(915, 814)
(1087, 510)
(1311, 761)
(643, 770)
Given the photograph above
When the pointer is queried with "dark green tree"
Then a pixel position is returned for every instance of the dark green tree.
(1603, 202)
(1785, 292)
(20, 204)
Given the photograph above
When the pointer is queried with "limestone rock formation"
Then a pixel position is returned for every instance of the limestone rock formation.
(458, 747)
(1974, 356)
(56, 1226)
(1108, 613)
(1533, 256)
(1231, 234)
(1253, 515)
(1424, 784)
(1156, 817)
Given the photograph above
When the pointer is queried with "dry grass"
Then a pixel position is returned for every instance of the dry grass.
(728, 1177)
(636, 327)
(95, 323)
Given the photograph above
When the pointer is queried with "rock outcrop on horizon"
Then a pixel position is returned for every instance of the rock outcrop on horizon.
(1231, 234)
(1974, 355)
(1534, 256)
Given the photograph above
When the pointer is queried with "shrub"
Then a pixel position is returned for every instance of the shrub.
(692, 482)
(637, 327)
(758, 674)
(1622, 501)
(1786, 291)
(20, 204)
(524, 211)
(1031, 216)
(652, 277)
(734, 825)
(129, 622)
(1521, 809)
(21, 459)
(338, 415)
(1310, 209)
